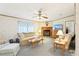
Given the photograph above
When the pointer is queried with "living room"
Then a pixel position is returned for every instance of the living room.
(37, 27)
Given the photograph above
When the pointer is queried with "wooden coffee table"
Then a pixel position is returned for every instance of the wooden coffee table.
(35, 41)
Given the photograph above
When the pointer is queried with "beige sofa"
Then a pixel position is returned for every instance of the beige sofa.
(26, 37)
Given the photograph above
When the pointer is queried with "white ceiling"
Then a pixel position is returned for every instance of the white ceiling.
(28, 10)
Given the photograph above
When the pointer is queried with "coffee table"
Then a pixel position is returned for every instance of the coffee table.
(35, 41)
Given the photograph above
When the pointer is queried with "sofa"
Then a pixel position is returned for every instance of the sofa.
(7, 49)
(26, 38)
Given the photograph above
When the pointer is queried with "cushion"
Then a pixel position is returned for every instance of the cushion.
(29, 34)
(1, 46)
(72, 33)
(68, 39)
(21, 35)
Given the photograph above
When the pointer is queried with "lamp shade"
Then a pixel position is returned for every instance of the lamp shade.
(60, 32)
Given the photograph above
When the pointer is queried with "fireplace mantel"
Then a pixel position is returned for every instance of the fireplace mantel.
(46, 28)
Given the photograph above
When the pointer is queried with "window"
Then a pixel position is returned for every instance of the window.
(26, 26)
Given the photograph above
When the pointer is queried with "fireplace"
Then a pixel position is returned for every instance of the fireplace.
(46, 31)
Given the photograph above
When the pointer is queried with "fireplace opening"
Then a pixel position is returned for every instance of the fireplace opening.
(46, 32)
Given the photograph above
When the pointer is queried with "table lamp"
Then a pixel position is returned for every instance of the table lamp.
(60, 34)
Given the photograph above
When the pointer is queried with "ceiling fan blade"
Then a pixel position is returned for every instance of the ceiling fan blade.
(46, 17)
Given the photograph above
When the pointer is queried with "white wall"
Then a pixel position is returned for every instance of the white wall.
(77, 30)
(8, 27)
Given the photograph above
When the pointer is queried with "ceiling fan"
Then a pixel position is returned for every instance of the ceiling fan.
(40, 14)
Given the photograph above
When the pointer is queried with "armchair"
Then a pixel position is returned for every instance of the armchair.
(63, 44)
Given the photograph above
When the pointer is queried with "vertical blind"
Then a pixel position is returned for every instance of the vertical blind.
(27, 26)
